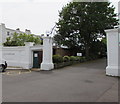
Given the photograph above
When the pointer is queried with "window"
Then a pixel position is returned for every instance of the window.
(8, 33)
(11, 34)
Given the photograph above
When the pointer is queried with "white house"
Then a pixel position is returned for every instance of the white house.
(7, 32)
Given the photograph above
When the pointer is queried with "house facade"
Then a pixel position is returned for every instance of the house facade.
(7, 32)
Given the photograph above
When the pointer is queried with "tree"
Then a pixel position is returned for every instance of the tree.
(20, 39)
(82, 23)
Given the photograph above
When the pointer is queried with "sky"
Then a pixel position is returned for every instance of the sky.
(36, 15)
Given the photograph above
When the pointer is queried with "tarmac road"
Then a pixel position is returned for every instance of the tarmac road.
(85, 82)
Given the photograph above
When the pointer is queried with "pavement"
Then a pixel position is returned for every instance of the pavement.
(84, 82)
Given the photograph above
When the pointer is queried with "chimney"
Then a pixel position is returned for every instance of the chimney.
(18, 29)
(27, 31)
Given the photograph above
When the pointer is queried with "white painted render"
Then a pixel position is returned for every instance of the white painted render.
(0, 62)
(0, 44)
(47, 63)
(113, 49)
(17, 56)
(20, 56)
(119, 18)
(113, 53)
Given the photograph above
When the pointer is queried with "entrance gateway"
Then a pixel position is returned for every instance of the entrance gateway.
(44, 56)
(113, 50)
(30, 55)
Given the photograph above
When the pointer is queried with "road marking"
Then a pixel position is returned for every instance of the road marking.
(16, 72)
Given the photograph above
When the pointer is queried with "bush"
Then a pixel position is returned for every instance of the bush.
(19, 39)
(57, 59)
(78, 58)
(72, 58)
(89, 58)
(83, 59)
(66, 58)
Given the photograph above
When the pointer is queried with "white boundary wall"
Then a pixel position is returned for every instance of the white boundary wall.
(17, 56)
(21, 56)
(0, 62)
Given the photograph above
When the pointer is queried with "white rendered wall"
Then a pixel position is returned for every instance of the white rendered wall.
(2, 31)
(0, 63)
(21, 56)
(113, 52)
(47, 63)
(18, 56)
(0, 43)
(119, 36)
(119, 19)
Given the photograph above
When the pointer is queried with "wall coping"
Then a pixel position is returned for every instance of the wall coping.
(46, 37)
(112, 30)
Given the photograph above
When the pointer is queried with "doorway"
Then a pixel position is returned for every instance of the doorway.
(37, 59)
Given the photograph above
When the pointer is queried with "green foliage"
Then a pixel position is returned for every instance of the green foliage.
(20, 39)
(82, 23)
(66, 58)
(57, 59)
(101, 51)
(104, 41)
(83, 59)
(78, 58)
(72, 58)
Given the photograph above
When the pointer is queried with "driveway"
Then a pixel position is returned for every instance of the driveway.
(85, 82)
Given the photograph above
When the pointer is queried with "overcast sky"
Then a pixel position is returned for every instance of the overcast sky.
(36, 15)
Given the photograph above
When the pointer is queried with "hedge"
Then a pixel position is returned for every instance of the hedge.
(66, 58)
(60, 61)
(57, 59)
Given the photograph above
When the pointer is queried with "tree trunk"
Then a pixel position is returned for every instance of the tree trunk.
(87, 51)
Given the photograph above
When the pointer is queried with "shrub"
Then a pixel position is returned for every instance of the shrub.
(57, 59)
(78, 58)
(20, 39)
(89, 58)
(95, 57)
(72, 58)
(66, 58)
(83, 59)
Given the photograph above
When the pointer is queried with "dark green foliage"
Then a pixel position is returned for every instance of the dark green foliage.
(57, 59)
(20, 39)
(83, 59)
(81, 24)
(78, 58)
(60, 62)
(72, 58)
(66, 58)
